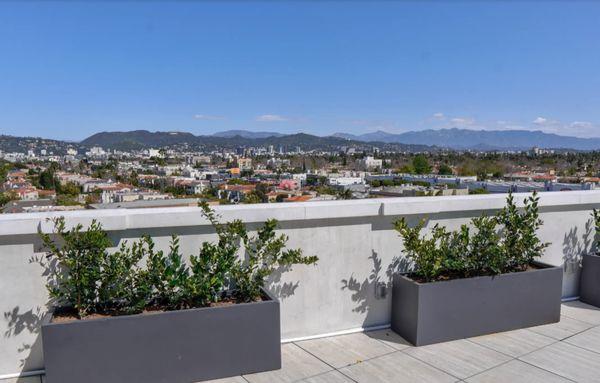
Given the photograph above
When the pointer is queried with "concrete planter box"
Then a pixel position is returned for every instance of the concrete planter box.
(171, 347)
(426, 313)
(589, 288)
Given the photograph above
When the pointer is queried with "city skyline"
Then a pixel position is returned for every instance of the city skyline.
(201, 67)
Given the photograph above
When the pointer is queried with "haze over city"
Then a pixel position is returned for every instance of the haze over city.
(72, 69)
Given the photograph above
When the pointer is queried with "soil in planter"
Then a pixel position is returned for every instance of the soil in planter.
(449, 277)
(65, 315)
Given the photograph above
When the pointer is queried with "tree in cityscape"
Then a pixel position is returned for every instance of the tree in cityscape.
(444, 169)
(421, 165)
(46, 179)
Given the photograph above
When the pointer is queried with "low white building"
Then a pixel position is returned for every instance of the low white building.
(345, 181)
(370, 163)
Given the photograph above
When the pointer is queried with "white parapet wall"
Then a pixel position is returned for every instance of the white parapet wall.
(348, 289)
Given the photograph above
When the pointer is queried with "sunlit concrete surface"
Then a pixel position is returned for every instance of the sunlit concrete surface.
(563, 352)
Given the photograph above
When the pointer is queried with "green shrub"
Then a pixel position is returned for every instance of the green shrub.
(521, 244)
(88, 278)
(76, 264)
(166, 275)
(505, 242)
(596, 216)
(123, 286)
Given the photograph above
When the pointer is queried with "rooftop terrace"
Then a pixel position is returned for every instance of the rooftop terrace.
(568, 351)
(334, 316)
(563, 352)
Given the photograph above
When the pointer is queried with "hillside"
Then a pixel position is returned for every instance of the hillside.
(140, 139)
(470, 139)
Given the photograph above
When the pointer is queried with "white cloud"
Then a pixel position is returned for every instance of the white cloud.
(372, 125)
(443, 121)
(581, 124)
(543, 121)
(548, 125)
(584, 129)
(505, 125)
(208, 117)
(463, 121)
(577, 128)
(271, 118)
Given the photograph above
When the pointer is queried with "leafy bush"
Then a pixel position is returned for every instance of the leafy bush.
(505, 242)
(123, 287)
(77, 271)
(596, 216)
(90, 279)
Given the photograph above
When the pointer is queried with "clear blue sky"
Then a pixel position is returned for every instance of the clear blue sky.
(68, 69)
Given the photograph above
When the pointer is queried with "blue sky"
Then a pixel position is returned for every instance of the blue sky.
(69, 69)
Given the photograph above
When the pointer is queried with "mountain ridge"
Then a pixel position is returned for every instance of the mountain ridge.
(246, 134)
(455, 138)
(143, 139)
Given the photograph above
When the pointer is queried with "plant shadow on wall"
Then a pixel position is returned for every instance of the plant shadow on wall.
(374, 289)
(281, 290)
(28, 321)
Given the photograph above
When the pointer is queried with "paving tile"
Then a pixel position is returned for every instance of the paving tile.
(235, 379)
(589, 339)
(390, 338)
(343, 350)
(460, 358)
(25, 379)
(568, 361)
(514, 343)
(328, 377)
(297, 364)
(565, 328)
(582, 312)
(397, 367)
(516, 371)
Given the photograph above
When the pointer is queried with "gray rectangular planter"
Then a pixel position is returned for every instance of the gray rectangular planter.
(589, 287)
(426, 313)
(170, 347)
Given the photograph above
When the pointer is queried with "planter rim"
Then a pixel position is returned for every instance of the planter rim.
(47, 320)
(544, 266)
(597, 254)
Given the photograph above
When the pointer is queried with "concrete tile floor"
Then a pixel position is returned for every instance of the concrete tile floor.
(568, 351)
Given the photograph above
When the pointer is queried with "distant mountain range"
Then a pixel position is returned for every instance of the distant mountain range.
(247, 134)
(480, 139)
(426, 140)
(141, 139)
(460, 139)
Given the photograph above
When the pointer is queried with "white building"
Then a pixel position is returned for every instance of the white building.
(370, 163)
(96, 151)
(71, 151)
(152, 153)
(345, 181)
